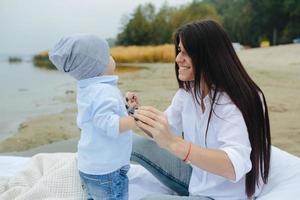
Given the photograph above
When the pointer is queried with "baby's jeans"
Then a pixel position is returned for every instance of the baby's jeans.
(112, 186)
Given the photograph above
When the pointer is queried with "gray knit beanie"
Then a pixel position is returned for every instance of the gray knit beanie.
(82, 56)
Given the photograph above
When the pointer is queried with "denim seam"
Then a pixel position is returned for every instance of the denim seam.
(160, 169)
(110, 184)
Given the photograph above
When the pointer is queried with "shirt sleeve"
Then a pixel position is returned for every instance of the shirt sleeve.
(233, 136)
(173, 113)
(105, 114)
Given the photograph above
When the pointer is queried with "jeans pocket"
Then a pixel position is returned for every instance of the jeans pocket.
(105, 188)
(98, 186)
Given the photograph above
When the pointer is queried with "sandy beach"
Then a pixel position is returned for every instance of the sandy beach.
(275, 69)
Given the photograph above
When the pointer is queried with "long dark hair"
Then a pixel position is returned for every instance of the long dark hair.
(214, 57)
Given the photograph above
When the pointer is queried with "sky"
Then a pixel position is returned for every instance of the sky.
(31, 26)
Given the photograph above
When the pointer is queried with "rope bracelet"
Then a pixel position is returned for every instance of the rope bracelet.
(188, 154)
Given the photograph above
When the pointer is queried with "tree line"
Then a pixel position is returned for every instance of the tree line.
(246, 21)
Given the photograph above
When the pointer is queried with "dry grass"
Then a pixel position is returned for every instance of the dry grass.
(144, 54)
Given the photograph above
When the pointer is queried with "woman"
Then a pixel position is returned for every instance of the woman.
(223, 116)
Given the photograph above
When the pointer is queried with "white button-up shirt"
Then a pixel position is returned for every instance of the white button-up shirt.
(101, 148)
(227, 132)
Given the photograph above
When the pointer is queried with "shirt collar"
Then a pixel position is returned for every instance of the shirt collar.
(107, 79)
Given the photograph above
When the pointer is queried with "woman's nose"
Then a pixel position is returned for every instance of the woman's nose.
(179, 58)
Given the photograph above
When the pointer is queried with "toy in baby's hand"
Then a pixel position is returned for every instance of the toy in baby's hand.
(132, 104)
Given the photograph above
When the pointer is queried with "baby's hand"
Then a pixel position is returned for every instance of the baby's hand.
(132, 99)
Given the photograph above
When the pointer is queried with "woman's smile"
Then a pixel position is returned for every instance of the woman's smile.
(185, 67)
(185, 72)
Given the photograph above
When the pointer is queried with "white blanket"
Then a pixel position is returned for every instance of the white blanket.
(47, 176)
(55, 176)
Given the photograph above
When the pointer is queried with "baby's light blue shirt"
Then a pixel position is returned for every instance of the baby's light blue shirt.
(101, 148)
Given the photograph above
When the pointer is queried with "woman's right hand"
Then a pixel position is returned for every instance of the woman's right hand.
(155, 122)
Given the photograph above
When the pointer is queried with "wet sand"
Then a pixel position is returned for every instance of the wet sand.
(276, 70)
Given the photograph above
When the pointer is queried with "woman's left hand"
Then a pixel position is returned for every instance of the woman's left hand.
(154, 121)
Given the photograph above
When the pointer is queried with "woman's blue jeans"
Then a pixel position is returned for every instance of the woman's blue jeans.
(167, 168)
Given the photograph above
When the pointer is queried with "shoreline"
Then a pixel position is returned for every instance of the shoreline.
(69, 145)
(276, 70)
(27, 97)
(42, 130)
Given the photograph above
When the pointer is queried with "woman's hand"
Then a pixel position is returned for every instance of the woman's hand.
(155, 122)
(212, 160)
